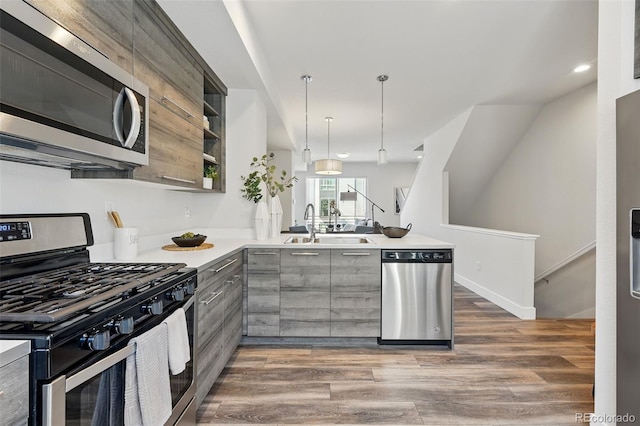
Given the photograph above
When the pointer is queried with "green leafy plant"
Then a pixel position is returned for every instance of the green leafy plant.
(264, 172)
(251, 190)
(211, 172)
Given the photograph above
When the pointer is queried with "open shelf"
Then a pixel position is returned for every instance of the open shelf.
(213, 147)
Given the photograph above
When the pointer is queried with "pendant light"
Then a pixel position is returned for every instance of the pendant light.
(328, 166)
(306, 154)
(382, 154)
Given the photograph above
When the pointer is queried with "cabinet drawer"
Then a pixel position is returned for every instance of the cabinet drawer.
(210, 312)
(14, 400)
(355, 270)
(262, 261)
(305, 270)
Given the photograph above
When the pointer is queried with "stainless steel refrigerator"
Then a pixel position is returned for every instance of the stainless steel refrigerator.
(628, 254)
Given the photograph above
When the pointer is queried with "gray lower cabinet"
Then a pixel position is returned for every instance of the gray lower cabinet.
(263, 292)
(14, 388)
(313, 292)
(219, 327)
(355, 293)
(305, 292)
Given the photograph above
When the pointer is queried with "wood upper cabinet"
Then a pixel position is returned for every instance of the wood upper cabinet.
(105, 25)
(140, 37)
(175, 82)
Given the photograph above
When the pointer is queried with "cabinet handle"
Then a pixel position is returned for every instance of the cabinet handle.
(356, 254)
(215, 296)
(224, 266)
(178, 179)
(234, 280)
(265, 253)
(305, 253)
(166, 98)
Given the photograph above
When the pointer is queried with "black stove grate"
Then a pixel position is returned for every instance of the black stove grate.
(59, 294)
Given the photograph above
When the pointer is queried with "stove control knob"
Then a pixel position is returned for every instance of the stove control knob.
(190, 287)
(176, 294)
(96, 341)
(123, 325)
(153, 307)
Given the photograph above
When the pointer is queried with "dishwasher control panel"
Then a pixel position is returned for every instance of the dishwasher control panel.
(417, 256)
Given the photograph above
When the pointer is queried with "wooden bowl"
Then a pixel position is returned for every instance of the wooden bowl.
(194, 241)
(395, 232)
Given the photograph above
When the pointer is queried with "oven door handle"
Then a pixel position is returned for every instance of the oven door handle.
(54, 393)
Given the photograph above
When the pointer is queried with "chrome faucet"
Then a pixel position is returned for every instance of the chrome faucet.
(312, 231)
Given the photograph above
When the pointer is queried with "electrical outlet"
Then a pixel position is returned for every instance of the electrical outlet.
(478, 265)
(187, 212)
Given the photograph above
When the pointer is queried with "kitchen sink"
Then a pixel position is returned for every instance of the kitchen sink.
(328, 240)
(301, 240)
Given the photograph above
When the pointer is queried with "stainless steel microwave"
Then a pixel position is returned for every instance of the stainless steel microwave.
(63, 103)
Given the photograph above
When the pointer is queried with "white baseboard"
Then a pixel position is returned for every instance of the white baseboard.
(522, 312)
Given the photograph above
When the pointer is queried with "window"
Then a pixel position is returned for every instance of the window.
(322, 190)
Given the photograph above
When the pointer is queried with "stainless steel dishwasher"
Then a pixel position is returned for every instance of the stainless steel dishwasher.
(417, 304)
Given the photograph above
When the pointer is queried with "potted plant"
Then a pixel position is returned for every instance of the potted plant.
(210, 175)
(274, 182)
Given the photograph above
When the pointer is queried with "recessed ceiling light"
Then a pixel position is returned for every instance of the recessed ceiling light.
(582, 68)
(343, 154)
(419, 157)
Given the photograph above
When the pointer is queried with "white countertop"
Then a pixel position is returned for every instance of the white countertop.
(11, 350)
(224, 246)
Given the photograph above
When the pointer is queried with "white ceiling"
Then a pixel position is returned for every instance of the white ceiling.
(442, 57)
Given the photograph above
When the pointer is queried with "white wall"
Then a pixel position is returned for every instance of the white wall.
(284, 160)
(246, 135)
(154, 210)
(615, 79)
(380, 188)
(545, 186)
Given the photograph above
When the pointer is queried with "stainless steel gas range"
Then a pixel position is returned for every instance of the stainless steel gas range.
(83, 318)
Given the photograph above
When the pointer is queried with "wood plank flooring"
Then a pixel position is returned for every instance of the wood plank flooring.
(502, 370)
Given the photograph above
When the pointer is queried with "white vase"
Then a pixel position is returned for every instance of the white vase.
(261, 220)
(207, 183)
(275, 209)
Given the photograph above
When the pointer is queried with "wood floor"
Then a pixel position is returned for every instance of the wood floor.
(502, 370)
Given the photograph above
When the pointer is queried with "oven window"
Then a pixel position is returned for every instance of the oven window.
(98, 401)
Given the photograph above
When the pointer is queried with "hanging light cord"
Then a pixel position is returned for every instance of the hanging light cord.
(306, 112)
(328, 135)
(382, 79)
(382, 114)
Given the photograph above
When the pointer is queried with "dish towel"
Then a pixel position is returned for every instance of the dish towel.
(178, 340)
(110, 405)
(147, 395)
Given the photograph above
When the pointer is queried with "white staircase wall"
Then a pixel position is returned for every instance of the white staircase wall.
(489, 136)
(546, 186)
